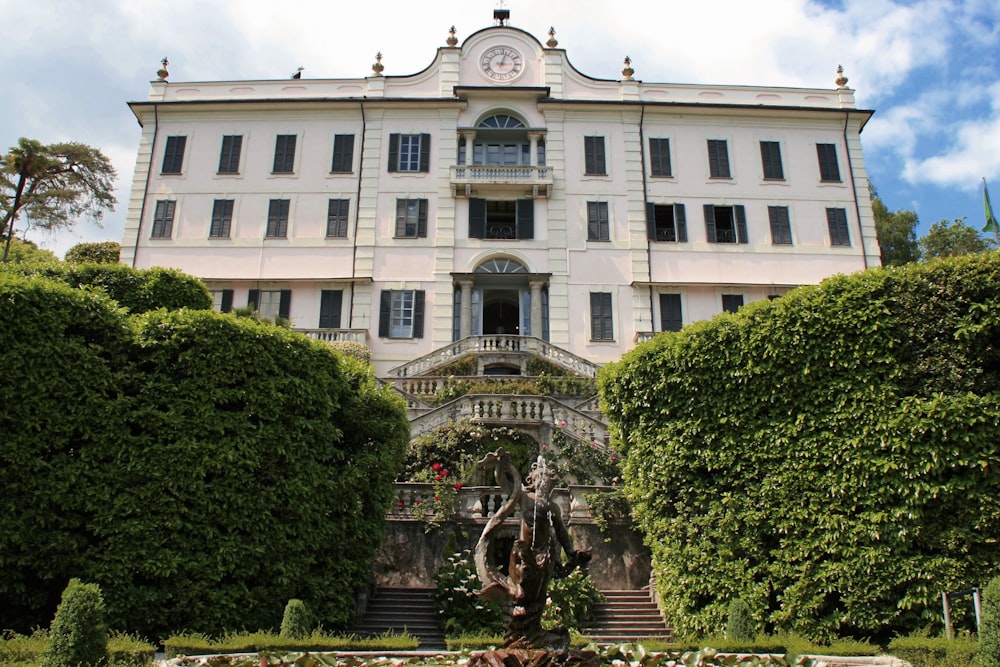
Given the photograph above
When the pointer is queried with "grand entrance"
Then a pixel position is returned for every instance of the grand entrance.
(501, 311)
(500, 298)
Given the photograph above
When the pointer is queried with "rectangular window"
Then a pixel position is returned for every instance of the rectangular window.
(271, 304)
(222, 219)
(229, 156)
(836, 220)
(411, 218)
(222, 300)
(409, 152)
(163, 219)
(671, 318)
(330, 303)
(597, 221)
(718, 158)
(501, 219)
(593, 157)
(601, 317)
(659, 157)
(781, 226)
(343, 154)
(732, 302)
(284, 154)
(770, 157)
(277, 219)
(336, 218)
(829, 170)
(173, 155)
(725, 224)
(666, 222)
(401, 314)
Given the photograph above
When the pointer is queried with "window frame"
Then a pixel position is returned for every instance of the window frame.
(595, 159)
(163, 219)
(277, 220)
(602, 320)
(598, 221)
(740, 234)
(524, 220)
(731, 303)
(780, 224)
(829, 163)
(231, 154)
(173, 155)
(770, 158)
(671, 311)
(396, 152)
(221, 224)
(838, 227)
(343, 154)
(659, 158)
(718, 159)
(678, 223)
(338, 214)
(331, 306)
(255, 299)
(404, 222)
(284, 153)
(389, 304)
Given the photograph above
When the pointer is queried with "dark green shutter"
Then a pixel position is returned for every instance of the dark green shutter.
(680, 223)
(650, 220)
(343, 153)
(425, 152)
(477, 218)
(422, 218)
(418, 313)
(394, 152)
(671, 317)
(227, 301)
(741, 223)
(525, 218)
(384, 313)
(285, 304)
(253, 298)
(710, 223)
(330, 304)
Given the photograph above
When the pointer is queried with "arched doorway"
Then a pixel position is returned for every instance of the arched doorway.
(500, 297)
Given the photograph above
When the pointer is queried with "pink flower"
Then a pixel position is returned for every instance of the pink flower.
(594, 445)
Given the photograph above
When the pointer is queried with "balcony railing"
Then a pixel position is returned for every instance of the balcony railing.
(496, 343)
(330, 335)
(416, 501)
(468, 179)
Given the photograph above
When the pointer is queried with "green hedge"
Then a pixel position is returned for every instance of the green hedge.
(828, 457)
(201, 468)
(253, 642)
(935, 651)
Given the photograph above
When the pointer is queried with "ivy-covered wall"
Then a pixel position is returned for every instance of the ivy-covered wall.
(830, 457)
(201, 468)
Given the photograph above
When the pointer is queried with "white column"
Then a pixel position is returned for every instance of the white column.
(536, 307)
(465, 315)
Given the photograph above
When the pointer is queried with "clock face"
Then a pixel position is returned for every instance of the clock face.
(502, 63)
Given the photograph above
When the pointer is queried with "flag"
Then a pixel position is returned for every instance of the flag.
(991, 221)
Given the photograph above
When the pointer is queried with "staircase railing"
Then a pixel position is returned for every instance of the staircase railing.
(496, 343)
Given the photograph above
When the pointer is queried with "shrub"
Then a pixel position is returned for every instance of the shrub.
(79, 634)
(105, 252)
(457, 446)
(989, 632)
(574, 598)
(295, 623)
(462, 611)
(740, 625)
(351, 348)
(935, 651)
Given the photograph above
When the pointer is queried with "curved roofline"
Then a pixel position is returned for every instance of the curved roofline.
(506, 27)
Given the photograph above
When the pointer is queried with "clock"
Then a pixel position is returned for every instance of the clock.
(501, 63)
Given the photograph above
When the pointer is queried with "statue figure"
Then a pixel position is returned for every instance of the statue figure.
(535, 558)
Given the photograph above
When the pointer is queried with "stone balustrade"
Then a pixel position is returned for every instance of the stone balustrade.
(330, 335)
(496, 343)
(416, 501)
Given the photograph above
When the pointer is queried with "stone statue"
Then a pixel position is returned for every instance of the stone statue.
(535, 558)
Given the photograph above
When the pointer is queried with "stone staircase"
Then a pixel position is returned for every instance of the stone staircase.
(398, 610)
(627, 616)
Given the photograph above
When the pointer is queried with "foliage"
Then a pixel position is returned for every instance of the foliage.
(351, 348)
(104, 252)
(79, 633)
(635, 655)
(828, 457)
(577, 462)
(540, 366)
(739, 623)
(467, 365)
(458, 446)
(26, 252)
(251, 642)
(950, 239)
(896, 232)
(462, 611)
(610, 510)
(123, 650)
(202, 469)
(989, 631)
(573, 599)
(54, 185)
(296, 622)
(935, 651)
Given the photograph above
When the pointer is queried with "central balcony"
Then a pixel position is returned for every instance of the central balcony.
(468, 180)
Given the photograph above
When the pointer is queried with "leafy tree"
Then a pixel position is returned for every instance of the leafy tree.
(53, 185)
(79, 630)
(828, 457)
(989, 633)
(26, 252)
(105, 252)
(949, 239)
(897, 236)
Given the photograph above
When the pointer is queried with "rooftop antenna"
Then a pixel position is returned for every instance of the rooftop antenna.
(500, 14)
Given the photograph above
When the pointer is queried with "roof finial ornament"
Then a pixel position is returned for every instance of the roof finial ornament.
(553, 42)
(628, 71)
(162, 73)
(452, 40)
(501, 15)
(378, 66)
(841, 79)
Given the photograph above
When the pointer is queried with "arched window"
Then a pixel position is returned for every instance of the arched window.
(501, 121)
(501, 265)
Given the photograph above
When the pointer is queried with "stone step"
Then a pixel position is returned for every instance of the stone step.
(626, 616)
(401, 610)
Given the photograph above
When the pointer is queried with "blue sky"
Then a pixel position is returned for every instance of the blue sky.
(929, 68)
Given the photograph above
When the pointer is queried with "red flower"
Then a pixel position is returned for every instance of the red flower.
(445, 473)
(544, 447)
(416, 502)
(439, 477)
(458, 486)
(436, 499)
(401, 503)
(435, 467)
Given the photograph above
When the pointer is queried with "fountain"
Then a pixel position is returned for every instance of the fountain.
(535, 558)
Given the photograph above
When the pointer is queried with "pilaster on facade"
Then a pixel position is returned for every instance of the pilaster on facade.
(137, 195)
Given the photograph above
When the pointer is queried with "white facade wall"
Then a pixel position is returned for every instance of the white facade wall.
(558, 107)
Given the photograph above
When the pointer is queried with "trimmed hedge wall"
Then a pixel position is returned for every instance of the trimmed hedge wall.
(201, 468)
(829, 457)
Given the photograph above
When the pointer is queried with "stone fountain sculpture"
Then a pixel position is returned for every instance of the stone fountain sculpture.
(535, 558)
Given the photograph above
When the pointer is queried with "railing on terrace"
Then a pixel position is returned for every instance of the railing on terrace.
(427, 386)
(513, 411)
(329, 335)
(496, 343)
(465, 177)
(644, 336)
(416, 501)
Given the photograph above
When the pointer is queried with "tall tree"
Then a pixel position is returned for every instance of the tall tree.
(897, 234)
(948, 239)
(53, 185)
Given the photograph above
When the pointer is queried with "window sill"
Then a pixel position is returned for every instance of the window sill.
(220, 238)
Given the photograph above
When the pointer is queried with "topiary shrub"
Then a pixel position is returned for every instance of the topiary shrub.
(295, 623)
(79, 634)
(740, 625)
(105, 252)
(989, 632)
(351, 348)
